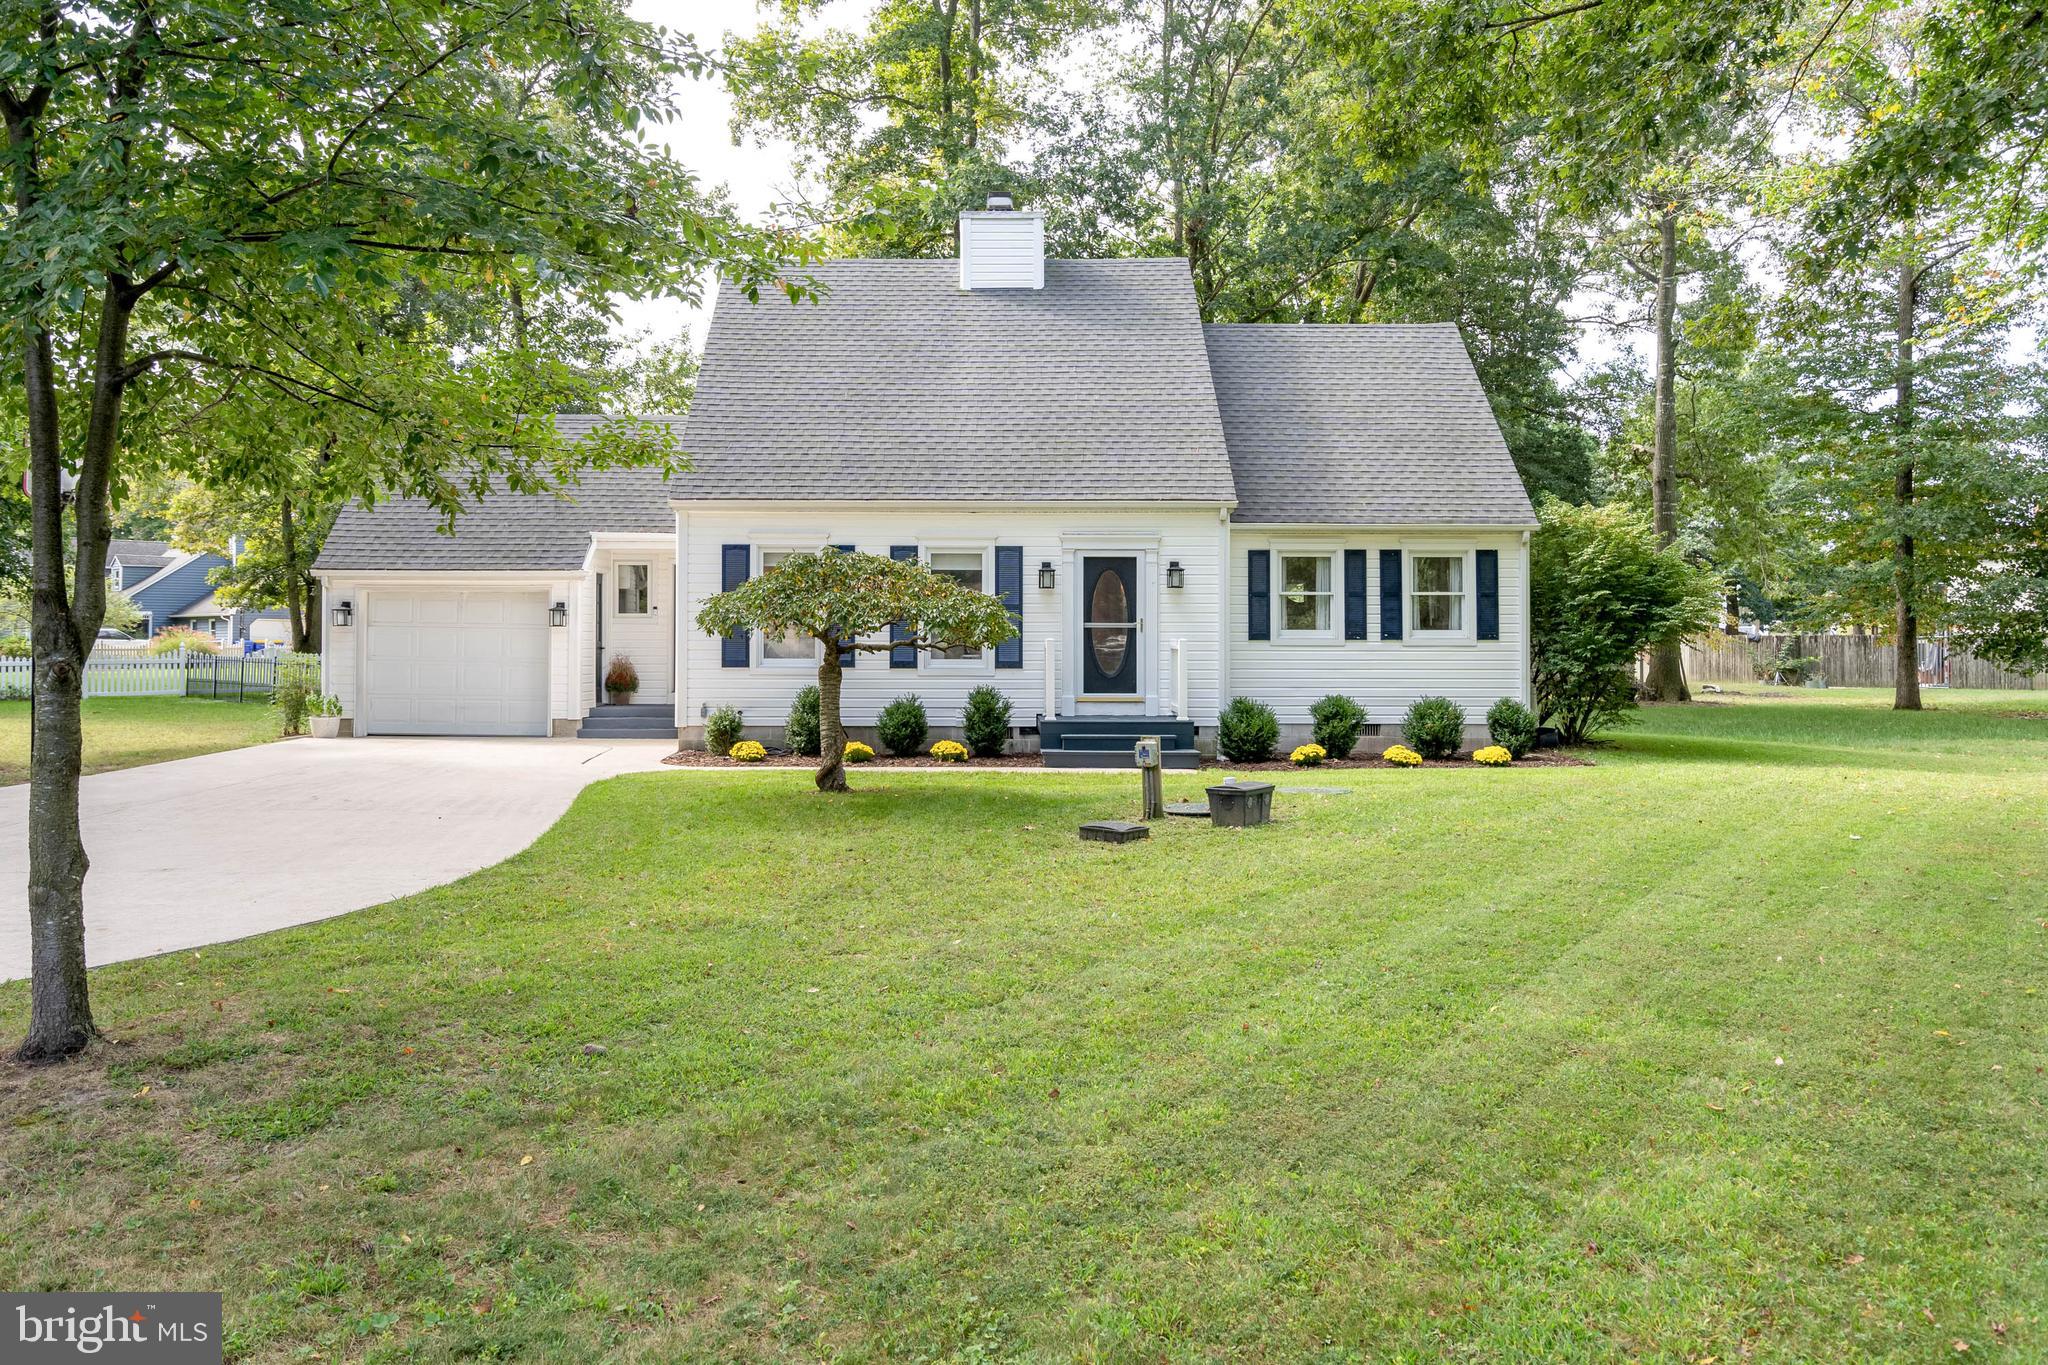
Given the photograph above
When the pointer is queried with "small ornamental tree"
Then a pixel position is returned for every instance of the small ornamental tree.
(1601, 592)
(847, 602)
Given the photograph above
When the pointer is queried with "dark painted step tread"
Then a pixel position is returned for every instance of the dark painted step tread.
(1181, 759)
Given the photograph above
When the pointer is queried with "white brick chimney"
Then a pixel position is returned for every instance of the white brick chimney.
(1001, 248)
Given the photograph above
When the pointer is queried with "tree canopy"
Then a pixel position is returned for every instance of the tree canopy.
(844, 600)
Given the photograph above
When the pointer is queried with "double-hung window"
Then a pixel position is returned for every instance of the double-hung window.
(1306, 597)
(970, 569)
(1436, 596)
(793, 649)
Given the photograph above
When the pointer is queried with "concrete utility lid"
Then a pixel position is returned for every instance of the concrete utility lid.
(1114, 831)
(1200, 808)
(1317, 791)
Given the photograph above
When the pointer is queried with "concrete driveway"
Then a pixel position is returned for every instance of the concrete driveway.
(208, 849)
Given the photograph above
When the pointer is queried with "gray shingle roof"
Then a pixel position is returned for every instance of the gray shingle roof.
(504, 530)
(896, 384)
(1378, 425)
(154, 553)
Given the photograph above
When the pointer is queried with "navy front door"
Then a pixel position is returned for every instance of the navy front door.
(1109, 626)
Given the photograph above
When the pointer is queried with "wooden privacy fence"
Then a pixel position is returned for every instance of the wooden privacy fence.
(1845, 661)
(123, 673)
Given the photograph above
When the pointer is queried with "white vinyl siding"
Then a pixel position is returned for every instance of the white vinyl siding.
(1384, 676)
(1190, 613)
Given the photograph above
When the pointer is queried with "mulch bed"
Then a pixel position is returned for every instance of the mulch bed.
(699, 758)
(1539, 758)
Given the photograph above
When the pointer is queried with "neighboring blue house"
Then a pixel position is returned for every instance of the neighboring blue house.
(172, 589)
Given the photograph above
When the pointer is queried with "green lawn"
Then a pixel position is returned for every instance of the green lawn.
(1729, 1046)
(127, 732)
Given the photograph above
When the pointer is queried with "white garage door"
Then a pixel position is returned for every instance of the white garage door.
(456, 663)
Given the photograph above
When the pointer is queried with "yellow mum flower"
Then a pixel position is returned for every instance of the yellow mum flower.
(949, 751)
(1308, 755)
(747, 751)
(1403, 755)
(1493, 756)
(857, 752)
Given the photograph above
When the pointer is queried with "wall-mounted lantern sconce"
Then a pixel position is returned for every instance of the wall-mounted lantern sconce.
(558, 614)
(343, 613)
(1045, 574)
(1176, 576)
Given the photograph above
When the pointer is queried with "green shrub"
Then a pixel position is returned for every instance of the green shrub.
(800, 732)
(1512, 726)
(173, 638)
(292, 699)
(1338, 723)
(325, 704)
(1434, 727)
(902, 726)
(16, 647)
(722, 729)
(986, 721)
(1247, 731)
(1600, 593)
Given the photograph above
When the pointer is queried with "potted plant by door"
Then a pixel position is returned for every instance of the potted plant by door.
(621, 680)
(323, 714)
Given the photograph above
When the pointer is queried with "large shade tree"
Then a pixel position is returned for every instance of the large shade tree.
(213, 210)
(846, 600)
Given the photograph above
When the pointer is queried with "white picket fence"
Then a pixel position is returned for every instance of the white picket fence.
(125, 673)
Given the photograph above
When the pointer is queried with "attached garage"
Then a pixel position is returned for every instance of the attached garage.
(454, 663)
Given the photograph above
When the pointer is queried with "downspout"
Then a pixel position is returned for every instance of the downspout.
(1528, 632)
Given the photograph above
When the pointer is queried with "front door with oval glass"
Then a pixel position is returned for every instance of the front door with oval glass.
(1109, 626)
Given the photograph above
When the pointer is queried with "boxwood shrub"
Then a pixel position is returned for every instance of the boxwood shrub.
(1247, 731)
(1338, 723)
(1513, 726)
(801, 730)
(902, 726)
(986, 721)
(722, 729)
(1434, 727)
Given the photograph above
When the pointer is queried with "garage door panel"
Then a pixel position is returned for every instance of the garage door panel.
(457, 664)
(439, 611)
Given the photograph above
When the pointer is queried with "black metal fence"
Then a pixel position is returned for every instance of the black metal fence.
(240, 677)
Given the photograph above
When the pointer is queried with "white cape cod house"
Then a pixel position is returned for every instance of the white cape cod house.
(1175, 513)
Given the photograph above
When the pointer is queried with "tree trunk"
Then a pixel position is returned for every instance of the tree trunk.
(1906, 675)
(60, 1008)
(1667, 661)
(294, 586)
(831, 734)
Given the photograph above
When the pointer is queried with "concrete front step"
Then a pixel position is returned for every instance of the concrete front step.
(659, 711)
(1108, 758)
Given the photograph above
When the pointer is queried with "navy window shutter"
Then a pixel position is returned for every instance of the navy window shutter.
(734, 562)
(902, 656)
(1390, 594)
(1354, 595)
(846, 656)
(1010, 587)
(1258, 602)
(1486, 568)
